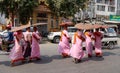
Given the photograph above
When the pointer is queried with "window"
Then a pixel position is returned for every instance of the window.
(41, 21)
(110, 30)
(100, 8)
(106, 1)
(43, 15)
(112, 2)
(99, 1)
(57, 23)
(51, 23)
(111, 9)
(119, 5)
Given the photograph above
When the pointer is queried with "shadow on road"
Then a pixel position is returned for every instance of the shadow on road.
(48, 59)
(93, 59)
(108, 53)
(59, 57)
(44, 59)
(6, 63)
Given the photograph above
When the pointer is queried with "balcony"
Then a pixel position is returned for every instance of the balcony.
(108, 2)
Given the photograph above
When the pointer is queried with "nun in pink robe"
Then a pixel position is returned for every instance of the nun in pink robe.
(16, 53)
(98, 44)
(28, 40)
(35, 52)
(89, 45)
(64, 46)
(76, 50)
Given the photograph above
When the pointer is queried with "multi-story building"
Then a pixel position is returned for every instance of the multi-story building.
(102, 9)
(118, 7)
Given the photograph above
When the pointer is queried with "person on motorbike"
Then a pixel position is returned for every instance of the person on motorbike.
(7, 39)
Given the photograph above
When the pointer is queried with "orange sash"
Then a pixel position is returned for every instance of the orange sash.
(74, 40)
(76, 35)
(87, 33)
(62, 35)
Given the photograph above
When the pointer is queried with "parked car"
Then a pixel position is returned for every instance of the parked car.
(55, 36)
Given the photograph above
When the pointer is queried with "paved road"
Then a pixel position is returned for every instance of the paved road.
(52, 62)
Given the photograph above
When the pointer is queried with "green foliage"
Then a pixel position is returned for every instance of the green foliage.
(21, 8)
(66, 7)
(26, 10)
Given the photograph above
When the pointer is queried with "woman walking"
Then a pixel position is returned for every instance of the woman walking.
(89, 45)
(64, 46)
(16, 53)
(98, 44)
(28, 41)
(35, 52)
(76, 51)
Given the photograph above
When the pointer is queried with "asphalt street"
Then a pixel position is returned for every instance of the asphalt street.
(52, 62)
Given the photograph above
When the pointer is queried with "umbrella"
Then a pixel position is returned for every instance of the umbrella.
(80, 26)
(105, 26)
(97, 26)
(20, 27)
(88, 26)
(26, 26)
(37, 24)
(84, 26)
(66, 23)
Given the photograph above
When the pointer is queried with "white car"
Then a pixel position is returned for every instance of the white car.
(55, 36)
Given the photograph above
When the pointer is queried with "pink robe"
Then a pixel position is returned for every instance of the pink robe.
(98, 43)
(27, 46)
(35, 52)
(16, 52)
(64, 46)
(76, 49)
(89, 45)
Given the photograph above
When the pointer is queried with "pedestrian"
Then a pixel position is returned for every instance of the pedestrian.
(7, 39)
(98, 44)
(76, 50)
(16, 53)
(64, 46)
(35, 52)
(89, 44)
(28, 41)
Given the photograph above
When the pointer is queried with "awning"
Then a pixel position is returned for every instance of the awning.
(112, 22)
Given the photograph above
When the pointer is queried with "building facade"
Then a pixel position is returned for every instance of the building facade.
(102, 9)
(42, 14)
(118, 7)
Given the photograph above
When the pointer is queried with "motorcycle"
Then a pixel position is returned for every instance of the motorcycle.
(6, 45)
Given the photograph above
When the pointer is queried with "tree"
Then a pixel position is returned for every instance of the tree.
(9, 8)
(66, 7)
(54, 6)
(26, 10)
(21, 8)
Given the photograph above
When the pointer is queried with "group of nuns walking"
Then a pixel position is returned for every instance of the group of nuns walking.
(76, 51)
(26, 46)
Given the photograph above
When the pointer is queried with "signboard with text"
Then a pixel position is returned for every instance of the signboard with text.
(114, 17)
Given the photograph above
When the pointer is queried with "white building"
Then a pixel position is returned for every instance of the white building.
(101, 9)
(118, 7)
